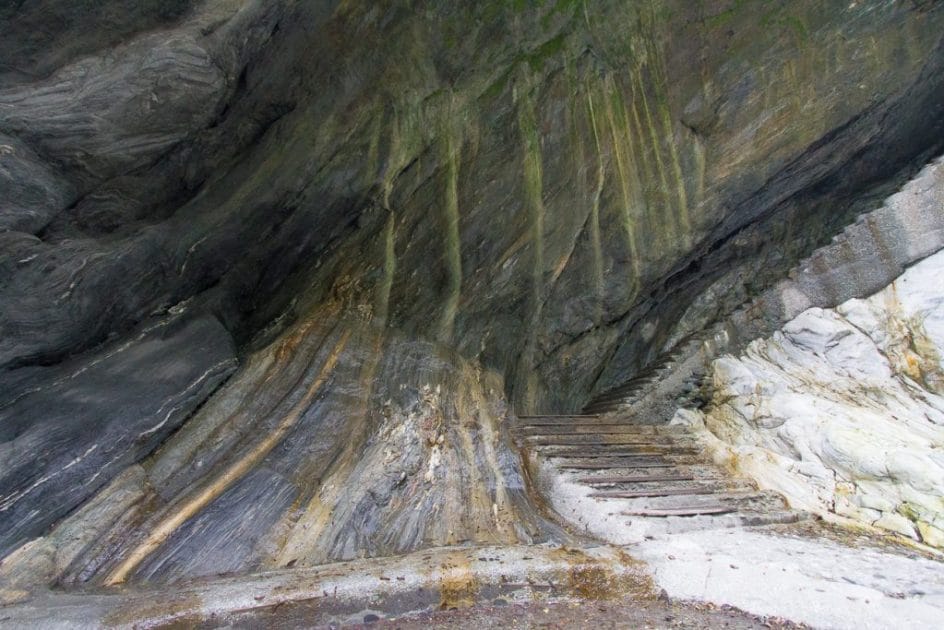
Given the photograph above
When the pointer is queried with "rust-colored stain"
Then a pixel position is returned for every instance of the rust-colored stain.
(459, 586)
(181, 611)
(594, 579)
(236, 471)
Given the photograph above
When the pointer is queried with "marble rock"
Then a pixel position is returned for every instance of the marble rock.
(408, 221)
(852, 392)
(59, 444)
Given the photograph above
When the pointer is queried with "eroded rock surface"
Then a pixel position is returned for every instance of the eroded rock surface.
(402, 221)
(843, 409)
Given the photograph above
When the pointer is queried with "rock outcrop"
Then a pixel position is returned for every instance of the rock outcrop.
(843, 410)
(273, 274)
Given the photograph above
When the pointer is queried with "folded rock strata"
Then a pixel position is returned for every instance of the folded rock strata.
(391, 225)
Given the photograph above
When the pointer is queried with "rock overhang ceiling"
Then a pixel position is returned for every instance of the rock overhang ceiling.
(495, 206)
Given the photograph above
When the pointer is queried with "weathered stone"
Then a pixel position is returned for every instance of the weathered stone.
(64, 439)
(497, 206)
(848, 392)
(896, 523)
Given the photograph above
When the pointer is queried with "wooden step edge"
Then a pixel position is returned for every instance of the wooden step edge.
(617, 466)
(593, 481)
(650, 494)
(681, 511)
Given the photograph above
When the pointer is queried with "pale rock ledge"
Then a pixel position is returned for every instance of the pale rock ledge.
(842, 410)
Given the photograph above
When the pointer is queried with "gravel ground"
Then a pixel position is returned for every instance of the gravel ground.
(498, 615)
(597, 615)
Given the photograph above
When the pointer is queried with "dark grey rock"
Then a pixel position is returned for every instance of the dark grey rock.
(504, 201)
(31, 192)
(65, 431)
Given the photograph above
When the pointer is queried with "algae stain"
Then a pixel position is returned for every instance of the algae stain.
(593, 579)
(659, 81)
(684, 220)
(459, 586)
(653, 135)
(622, 171)
(534, 186)
(373, 148)
(453, 250)
(397, 158)
(596, 242)
(183, 610)
(382, 310)
(534, 190)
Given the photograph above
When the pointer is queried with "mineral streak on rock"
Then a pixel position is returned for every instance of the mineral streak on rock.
(332, 442)
(61, 444)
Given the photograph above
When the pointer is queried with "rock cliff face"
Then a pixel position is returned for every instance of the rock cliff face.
(843, 410)
(273, 273)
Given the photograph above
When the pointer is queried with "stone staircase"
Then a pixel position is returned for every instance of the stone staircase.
(621, 471)
(865, 256)
(640, 479)
(668, 374)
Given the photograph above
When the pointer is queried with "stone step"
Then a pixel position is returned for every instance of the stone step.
(596, 421)
(626, 434)
(640, 431)
(592, 430)
(610, 408)
(595, 440)
(676, 460)
(620, 392)
(547, 416)
(718, 517)
(606, 441)
(620, 395)
(565, 426)
(746, 501)
(551, 450)
(700, 470)
(688, 448)
(599, 402)
(583, 454)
